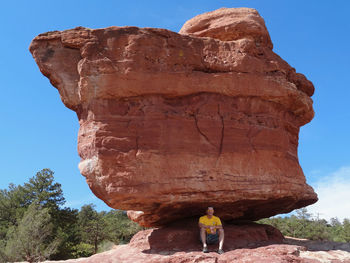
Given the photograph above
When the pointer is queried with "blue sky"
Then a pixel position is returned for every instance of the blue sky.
(38, 131)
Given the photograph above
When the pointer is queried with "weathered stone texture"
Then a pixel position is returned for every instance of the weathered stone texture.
(171, 123)
(249, 243)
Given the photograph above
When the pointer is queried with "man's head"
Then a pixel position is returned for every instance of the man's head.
(210, 211)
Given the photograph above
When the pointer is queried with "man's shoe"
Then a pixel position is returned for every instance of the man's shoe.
(205, 250)
(220, 251)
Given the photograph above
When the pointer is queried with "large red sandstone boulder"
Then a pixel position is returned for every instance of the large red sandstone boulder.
(171, 123)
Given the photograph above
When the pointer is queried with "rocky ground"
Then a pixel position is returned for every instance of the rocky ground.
(249, 243)
(272, 253)
(323, 251)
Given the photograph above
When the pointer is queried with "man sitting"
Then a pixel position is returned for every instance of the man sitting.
(211, 231)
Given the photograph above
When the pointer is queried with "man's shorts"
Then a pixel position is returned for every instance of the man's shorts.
(211, 238)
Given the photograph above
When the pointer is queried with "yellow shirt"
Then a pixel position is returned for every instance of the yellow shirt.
(213, 221)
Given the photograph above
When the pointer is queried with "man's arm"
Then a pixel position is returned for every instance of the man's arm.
(202, 226)
(218, 224)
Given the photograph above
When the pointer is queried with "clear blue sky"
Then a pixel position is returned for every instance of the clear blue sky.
(38, 131)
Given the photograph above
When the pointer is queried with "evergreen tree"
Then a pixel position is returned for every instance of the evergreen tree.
(346, 230)
(120, 229)
(305, 225)
(40, 189)
(12, 205)
(68, 229)
(30, 239)
(44, 190)
(92, 226)
(32, 214)
(335, 230)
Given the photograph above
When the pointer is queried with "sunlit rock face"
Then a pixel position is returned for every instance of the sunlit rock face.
(171, 123)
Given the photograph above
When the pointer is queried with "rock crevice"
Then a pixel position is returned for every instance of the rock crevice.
(173, 122)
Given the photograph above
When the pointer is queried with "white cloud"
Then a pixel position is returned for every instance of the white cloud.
(333, 193)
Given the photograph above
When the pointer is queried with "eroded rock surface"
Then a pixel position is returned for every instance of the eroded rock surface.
(171, 123)
(250, 243)
(229, 24)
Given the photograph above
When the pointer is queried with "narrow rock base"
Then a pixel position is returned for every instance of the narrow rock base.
(244, 242)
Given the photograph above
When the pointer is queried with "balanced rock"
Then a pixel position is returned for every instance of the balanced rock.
(171, 123)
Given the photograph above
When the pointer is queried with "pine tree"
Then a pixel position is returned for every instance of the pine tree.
(120, 229)
(92, 226)
(29, 240)
(44, 190)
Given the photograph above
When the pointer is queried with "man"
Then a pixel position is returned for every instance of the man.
(211, 231)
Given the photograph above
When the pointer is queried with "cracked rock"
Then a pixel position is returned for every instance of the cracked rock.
(172, 123)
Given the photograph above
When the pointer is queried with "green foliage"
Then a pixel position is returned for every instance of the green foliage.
(34, 225)
(92, 226)
(346, 230)
(12, 206)
(336, 230)
(99, 229)
(83, 250)
(305, 225)
(119, 227)
(42, 189)
(30, 239)
(3, 256)
(66, 226)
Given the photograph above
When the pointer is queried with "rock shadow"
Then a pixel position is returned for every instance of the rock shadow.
(185, 238)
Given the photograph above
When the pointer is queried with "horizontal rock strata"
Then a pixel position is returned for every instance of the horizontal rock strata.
(171, 123)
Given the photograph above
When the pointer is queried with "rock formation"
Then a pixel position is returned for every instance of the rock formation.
(171, 123)
(249, 243)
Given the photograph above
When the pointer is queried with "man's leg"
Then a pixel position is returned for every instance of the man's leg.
(203, 238)
(221, 238)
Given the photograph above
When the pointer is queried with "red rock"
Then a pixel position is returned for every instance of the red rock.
(229, 24)
(171, 123)
(264, 254)
(247, 242)
(250, 243)
(184, 236)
